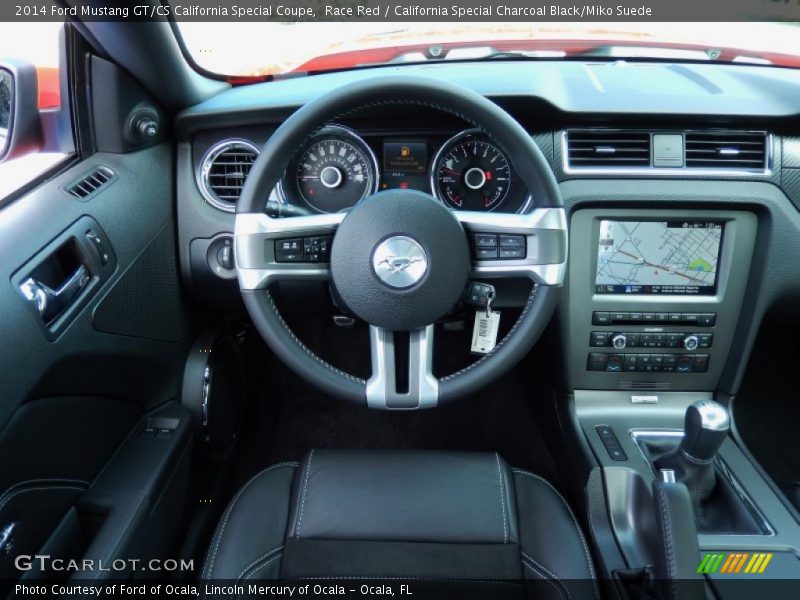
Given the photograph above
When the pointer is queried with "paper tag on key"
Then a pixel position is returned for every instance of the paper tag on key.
(484, 333)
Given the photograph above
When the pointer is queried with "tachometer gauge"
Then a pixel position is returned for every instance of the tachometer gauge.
(334, 171)
(471, 173)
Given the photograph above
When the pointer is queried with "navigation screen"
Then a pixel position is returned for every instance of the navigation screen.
(658, 257)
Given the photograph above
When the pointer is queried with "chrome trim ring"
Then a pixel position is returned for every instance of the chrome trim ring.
(526, 204)
(208, 159)
(346, 132)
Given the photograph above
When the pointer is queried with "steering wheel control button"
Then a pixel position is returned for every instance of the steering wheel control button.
(485, 253)
(512, 252)
(512, 241)
(290, 245)
(314, 249)
(485, 240)
(399, 262)
(489, 246)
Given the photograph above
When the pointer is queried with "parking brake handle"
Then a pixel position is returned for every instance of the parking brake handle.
(679, 554)
(49, 302)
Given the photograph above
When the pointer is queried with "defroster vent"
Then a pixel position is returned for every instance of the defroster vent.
(91, 183)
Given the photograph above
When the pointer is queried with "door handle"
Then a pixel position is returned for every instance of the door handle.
(49, 302)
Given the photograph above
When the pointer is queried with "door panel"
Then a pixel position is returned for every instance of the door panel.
(69, 399)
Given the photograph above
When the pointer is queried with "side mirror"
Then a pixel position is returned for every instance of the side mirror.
(20, 125)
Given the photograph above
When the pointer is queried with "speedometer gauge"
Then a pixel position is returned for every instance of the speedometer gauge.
(471, 173)
(334, 171)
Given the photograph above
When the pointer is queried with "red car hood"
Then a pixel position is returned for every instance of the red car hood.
(570, 47)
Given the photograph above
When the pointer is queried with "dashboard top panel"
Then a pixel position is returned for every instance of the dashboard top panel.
(568, 87)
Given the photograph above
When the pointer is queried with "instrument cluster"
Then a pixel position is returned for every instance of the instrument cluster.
(337, 168)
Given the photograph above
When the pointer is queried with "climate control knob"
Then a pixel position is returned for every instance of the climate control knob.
(619, 341)
(690, 342)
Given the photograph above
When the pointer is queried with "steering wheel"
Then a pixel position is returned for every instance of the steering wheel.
(400, 259)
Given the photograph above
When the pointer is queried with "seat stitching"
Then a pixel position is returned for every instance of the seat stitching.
(305, 490)
(10, 496)
(218, 535)
(502, 498)
(574, 521)
(554, 584)
(259, 567)
(668, 543)
(258, 560)
(533, 561)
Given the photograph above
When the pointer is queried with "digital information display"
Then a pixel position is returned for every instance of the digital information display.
(409, 158)
(658, 257)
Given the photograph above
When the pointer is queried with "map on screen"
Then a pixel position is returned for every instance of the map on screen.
(658, 257)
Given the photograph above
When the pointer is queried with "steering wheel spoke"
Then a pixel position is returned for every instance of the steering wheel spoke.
(293, 248)
(418, 388)
(545, 231)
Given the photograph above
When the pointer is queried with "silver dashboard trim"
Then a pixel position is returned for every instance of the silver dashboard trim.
(255, 270)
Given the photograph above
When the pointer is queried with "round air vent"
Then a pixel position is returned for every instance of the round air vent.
(224, 170)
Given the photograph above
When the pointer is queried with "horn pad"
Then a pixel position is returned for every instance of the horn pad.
(400, 260)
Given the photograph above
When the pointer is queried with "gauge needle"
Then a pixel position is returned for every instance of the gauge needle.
(458, 173)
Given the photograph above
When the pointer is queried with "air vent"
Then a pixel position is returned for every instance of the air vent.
(610, 149)
(726, 150)
(225, 168)
(91, 183)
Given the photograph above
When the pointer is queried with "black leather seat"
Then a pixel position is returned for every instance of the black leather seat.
(419, 515)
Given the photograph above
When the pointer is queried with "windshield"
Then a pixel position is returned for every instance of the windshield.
(275, 48)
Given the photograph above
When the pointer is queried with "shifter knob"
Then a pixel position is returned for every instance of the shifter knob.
(706, 426)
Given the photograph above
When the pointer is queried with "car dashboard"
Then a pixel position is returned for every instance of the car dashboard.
(712, 149)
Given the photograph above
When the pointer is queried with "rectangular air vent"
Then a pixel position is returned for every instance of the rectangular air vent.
(88, 185)
(610, 149)
(726, 150)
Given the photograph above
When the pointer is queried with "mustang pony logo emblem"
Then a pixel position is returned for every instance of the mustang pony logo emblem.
(399, 262)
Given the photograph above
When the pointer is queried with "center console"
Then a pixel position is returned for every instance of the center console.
(654, 296)
(654, 300)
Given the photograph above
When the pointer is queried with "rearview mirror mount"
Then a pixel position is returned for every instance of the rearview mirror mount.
(20, 125)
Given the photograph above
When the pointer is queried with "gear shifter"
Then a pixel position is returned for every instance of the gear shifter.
(706, 426)
(718, 508)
